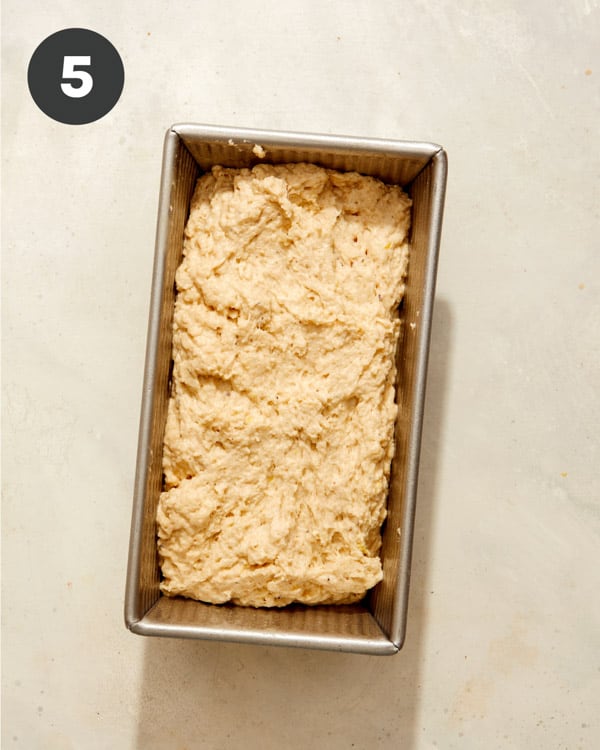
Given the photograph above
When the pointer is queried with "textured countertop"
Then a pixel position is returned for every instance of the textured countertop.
(503, 645)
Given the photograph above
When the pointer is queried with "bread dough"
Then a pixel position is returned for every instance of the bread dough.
(279, 434)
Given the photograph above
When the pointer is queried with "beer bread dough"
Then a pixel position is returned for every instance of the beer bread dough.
(279, 434)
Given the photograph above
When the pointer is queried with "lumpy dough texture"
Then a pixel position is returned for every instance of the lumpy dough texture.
(280, 425)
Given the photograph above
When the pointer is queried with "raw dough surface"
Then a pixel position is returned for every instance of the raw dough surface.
(280, 426)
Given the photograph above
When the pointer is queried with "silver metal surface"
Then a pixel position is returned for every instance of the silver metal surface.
(378, 624)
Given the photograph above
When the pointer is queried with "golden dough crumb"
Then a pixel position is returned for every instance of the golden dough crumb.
(280, 425)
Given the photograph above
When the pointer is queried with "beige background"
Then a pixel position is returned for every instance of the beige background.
(503, 645)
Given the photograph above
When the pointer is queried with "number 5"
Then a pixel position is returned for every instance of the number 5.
(69, 63)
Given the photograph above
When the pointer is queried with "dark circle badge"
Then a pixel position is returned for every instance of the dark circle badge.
(75, 76)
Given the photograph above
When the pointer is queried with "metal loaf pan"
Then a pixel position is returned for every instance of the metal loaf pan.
(378, 624)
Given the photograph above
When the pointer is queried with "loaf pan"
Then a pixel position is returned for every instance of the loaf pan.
(378, 624)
